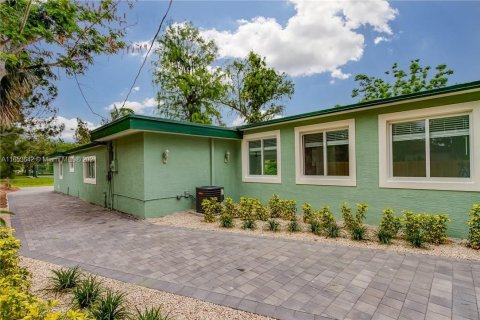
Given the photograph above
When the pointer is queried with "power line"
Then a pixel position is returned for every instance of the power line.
(84, 98)
(148, 52)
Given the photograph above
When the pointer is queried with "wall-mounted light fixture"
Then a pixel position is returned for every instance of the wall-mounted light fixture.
(227, 156)
(165, 156)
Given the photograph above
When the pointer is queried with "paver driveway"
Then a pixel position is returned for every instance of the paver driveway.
(285, 279)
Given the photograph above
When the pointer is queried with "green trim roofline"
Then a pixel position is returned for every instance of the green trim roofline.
(361, 105)
(58, 154)
(144, 123)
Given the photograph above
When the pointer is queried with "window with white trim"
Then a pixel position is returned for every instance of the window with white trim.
(429, 149)
(325, 153)
(71, 164)
(261, 157)
(89, 169)
(60, 169)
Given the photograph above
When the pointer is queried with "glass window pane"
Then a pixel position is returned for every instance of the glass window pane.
(408, 149)
(450, 147)
(313, 154)
(337, 153)
(270, 157)
(255, 157)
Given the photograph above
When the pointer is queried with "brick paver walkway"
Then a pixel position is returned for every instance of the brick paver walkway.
(284, 279)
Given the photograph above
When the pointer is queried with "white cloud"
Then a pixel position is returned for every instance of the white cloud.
(137, 106)
(140, 48)
(321, 37)
(377, 40)
(70, 127)
(136, 89)
(338, 74)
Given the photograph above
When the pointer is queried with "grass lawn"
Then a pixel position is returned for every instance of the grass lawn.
(22, 182)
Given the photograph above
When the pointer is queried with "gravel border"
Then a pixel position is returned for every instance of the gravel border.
(178, 307)
(455, 248)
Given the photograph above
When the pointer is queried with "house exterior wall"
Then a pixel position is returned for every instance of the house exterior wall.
(455, 203)
(188, 166)
(72, 182)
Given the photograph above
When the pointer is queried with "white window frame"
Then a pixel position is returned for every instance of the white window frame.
(71, 164)
(85, 161)
(386, 179)
(60, 169)
(301, 178)
(246, 177)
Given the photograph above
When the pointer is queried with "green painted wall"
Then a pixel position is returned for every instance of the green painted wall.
(128, 180)
(72, 182)
(188, 166)
(455, 203)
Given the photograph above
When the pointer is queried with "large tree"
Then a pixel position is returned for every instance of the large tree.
(188, 84)
(38, 38)
(82, 134)
(255, 91)
(416, 79)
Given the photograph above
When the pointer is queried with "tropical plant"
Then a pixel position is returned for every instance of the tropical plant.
(316, 227)
(110, 306)
(308, 213)
(226, 220)
(473, 238)
(65, 278)
(435, 227)
(354, 224)
(231, 207)
(273, 225)
(87, 292)
(249, 224)
(384, 236)
(274, 205)
(152, 313)
(189, 86)
(415, 80)
(3, 223)
(255, 91)
(294, 226)
(413, 228)
(390, 222)
(328, 222)
(211, 208)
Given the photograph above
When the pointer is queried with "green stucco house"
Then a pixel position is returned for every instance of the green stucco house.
(419, 152)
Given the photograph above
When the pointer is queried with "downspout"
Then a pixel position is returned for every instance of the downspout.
(212, 152)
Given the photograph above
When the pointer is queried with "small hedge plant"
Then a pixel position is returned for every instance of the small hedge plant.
(211, 208)
(282, 208)
(248, 212)
(473, 238)
(354, 224)
(328, 222)
(421, 228)
(308, 213)
(231, 208)
(389, 226)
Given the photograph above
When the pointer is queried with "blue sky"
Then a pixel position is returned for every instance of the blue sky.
(322, 45)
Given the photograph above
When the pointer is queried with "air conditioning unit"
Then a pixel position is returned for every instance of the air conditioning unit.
(207, 192)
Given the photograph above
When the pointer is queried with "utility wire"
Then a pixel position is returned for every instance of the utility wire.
(148, 52)
(85, 99)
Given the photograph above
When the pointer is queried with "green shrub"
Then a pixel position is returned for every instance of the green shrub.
(384, 236)
(153, 313)
(308, 213)
(328, 222)
(294, 226)
(354, 224)
(435, 228)
(3, 223)
(413, 228)
(211, 208)
(231, 207)
(248, 208)
(473, 238)
(289, 209)
(315, 227)
(65, 278)
(262, 213)
(273, 225)
(110, 306)
(274, 205)
(389, 226)
(87, 292)
(249, 224)
(226, 220)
